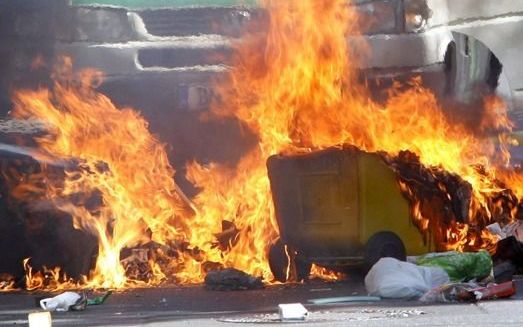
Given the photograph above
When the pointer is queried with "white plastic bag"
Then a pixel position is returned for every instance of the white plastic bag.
(391, 278)
(60, 302)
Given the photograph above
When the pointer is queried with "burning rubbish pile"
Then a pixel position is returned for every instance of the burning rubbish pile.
(294, 85)
(447, 199)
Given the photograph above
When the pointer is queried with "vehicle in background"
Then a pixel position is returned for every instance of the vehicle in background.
(177, 46)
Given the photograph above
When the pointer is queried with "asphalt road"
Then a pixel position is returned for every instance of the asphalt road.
(195, 306)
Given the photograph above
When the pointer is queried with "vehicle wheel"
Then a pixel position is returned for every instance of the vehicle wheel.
(287, 267)
(383, 245)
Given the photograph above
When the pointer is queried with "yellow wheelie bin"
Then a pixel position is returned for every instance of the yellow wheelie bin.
(338, 208)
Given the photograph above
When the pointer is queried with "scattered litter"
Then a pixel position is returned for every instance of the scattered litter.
(40, 319)
(292, 312)
(469, 292)
(64, 302)
(496, 229)
(447, 293)
(136, 260)
(513, 229)
(328, 317)
(391, 278)
(460, 266)
(345, 299)
(254, 319)
(70, 301)
(494, 291)
(396, 313)
(99, 299)
(231, 279)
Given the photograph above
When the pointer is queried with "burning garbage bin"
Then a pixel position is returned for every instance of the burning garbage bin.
(338, 208)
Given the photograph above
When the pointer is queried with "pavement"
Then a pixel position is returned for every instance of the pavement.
(195, 306)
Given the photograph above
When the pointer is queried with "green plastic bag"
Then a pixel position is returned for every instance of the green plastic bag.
(99, 300)
(460, 266)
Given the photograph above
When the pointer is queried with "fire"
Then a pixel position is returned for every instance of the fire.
(120, 162)
(295, 85)
(7, 283)
(50, 279)
(325, 274)
(240, 195)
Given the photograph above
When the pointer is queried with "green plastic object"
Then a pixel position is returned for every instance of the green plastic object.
(460, 266)
(99, 300)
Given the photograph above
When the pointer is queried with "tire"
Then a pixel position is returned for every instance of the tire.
(283, 270)
(383, 245)
(278, 261)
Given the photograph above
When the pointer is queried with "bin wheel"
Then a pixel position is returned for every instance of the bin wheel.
(383, 245)
(283, 270)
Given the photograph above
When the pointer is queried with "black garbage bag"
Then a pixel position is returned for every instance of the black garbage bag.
(508, 259)
(231, 279)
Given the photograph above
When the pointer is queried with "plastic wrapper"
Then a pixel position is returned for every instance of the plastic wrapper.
(460, 266)
(468, 292)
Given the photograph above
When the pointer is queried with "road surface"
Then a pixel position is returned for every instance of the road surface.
(195, 306)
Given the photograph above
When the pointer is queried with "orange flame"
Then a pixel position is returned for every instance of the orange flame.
(325, 274)
(119, 158)
(50, 279)
(7, 283)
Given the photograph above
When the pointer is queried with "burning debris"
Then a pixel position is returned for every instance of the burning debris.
(442, 202)
(228, 237)
(139, 263)
(7, 283)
